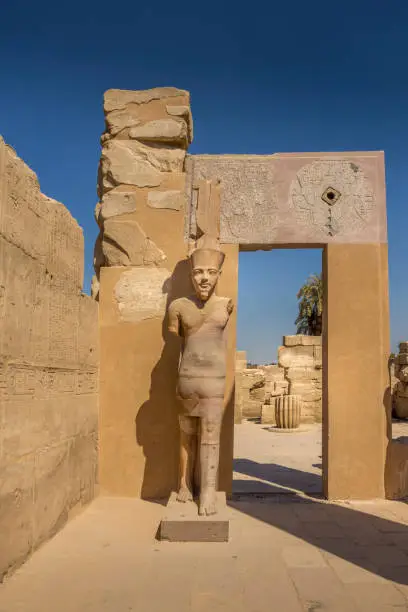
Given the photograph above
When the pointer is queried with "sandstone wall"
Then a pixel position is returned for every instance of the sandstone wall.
(48, 365)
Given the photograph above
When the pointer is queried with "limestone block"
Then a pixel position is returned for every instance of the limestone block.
(171, 199)
(121, 164)
(116, 203)
(268, 413)
(119, 120)
(258, 394)
(182, 110)
(97, 211)
(305, 390)
(302, 340)
(51, 491)
(125, 244)
(273, 372)
(65, 256)
(162, 130)
(304, 374)
(33, 423)
(252, 408)
(82, 466)
(311, 412)
(403, 347)
(115, 99)
(252, 378)
(16, 510)
(141, 293)
(63, 329)
(24, 219)
(88, 332)
(24, 306)
(163, 158)
(296, 356)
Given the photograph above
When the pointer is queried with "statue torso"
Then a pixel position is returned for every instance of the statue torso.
(202, 327)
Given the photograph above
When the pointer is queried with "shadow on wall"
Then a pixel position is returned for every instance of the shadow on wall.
(156, 422)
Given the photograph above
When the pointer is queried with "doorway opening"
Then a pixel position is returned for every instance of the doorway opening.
(278, 378)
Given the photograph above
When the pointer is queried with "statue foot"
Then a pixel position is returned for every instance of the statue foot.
(184, 495)
(208, 503)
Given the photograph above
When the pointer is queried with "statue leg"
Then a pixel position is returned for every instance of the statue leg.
(188, 449)
(210, 454)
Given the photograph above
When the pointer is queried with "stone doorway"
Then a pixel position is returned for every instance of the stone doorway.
(273, 361)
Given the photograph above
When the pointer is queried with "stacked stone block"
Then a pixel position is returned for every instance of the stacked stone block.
(48, 365)
(298, 372)
(141, 170)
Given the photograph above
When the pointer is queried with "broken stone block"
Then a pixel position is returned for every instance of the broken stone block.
(124, 243)
(185, 112)
(116, 203)
(141, 293)
(172, 199)
(121, 164)
(119, 120)
(115, 99)
(162, 130)
(163, 158)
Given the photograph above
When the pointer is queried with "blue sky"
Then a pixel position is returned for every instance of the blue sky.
(264, 77)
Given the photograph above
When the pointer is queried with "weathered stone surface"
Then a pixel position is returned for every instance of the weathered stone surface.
(403, 347)
(115, 99)
(308, 392)
(185, 112)
(125, 244)
(51, 501)
(161, 157)
(301, 340)
(304, 374)
(171, 199)
(48, 361)
(118, 120)
(141, 293)
(162, 130)
(295, 357)
(278, 198)
(116, 203)
(268, 413)
(121, 164)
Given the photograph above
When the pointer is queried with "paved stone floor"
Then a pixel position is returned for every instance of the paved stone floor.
(286, 552)
(267, 460)
(282, 556)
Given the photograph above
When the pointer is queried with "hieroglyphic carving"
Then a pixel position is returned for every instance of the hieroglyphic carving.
(342, 182)
(248, 195)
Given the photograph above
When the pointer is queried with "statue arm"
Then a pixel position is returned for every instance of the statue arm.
(230, 307)
(174, 319)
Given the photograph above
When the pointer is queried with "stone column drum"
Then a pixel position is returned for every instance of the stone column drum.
(287, 411)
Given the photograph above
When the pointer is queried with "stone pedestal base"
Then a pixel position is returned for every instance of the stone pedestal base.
(182, 522)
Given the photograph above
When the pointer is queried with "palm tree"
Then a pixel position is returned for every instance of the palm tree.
(309, 319)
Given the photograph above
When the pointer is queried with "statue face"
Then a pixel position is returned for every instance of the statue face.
(205, 278)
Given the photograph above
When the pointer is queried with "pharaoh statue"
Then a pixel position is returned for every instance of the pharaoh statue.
(201, 320)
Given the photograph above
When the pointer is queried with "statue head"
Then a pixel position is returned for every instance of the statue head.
(205, 271)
